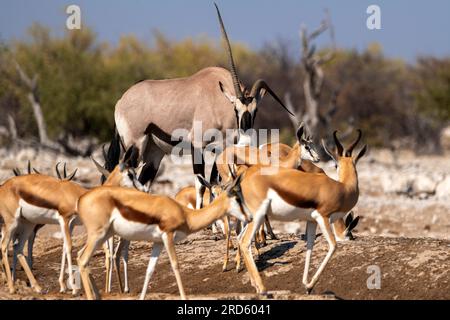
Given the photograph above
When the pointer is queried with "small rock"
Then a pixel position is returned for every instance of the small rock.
(443, 189)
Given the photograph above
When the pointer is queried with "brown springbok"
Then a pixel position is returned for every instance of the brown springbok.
(342, 227)
(36, 199)
(135, 215)
(151, 112)
(292, 194)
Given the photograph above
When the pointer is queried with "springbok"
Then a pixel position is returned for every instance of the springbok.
(17, 172)
(342, 227)
(36, 199)
(135, 215)
(149, 112)
(292, 194)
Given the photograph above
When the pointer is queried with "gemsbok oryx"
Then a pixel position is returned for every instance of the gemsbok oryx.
(150, 111)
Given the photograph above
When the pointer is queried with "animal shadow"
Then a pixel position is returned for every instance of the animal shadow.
(274, 252)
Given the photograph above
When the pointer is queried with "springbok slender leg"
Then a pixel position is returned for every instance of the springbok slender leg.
(245, 245)
(269, 229)
(65, 229)
(156, 250)
(226, 225)
(126, 247)
(311, 227)
(6, 239)
(84, 256)
(324, 224)
(108, 248)
(170, 248)
(121, 253)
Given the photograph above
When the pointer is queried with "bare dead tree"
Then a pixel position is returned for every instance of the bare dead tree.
(31, 85)
(312, 63)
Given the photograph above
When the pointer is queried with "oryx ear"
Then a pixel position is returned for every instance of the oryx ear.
(328, 152)
(260, 94)
(361, 153)
(227, 93)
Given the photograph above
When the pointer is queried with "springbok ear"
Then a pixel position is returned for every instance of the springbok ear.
(327, 151)
(361, 153)
(300, 131)
(353, 224)
(227, 93)
(203, 181)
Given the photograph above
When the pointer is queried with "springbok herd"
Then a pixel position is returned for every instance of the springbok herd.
(244, 190)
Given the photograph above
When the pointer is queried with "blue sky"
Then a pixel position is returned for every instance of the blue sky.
(409, 28)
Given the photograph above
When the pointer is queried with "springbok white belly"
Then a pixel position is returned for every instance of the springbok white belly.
(281, 210)
(38, 215)
(137, 231)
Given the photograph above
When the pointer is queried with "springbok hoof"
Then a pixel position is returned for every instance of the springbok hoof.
(38, 290)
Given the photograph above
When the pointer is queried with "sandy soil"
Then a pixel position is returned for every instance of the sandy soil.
(408, 238)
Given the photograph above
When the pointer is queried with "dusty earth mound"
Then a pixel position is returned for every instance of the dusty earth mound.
(410, 269)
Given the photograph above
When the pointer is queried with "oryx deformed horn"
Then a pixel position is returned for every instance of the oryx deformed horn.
(261, 84)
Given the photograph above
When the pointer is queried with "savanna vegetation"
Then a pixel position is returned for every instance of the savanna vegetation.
(79, 80)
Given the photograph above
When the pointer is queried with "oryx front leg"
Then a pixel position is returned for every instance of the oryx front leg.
(324, 224)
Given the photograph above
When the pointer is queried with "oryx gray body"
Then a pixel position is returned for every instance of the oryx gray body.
(148, 113)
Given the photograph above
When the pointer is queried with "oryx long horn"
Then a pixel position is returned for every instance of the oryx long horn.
(261, 84)
(102, 170)
(340, 148)
(57, 171)
(237, 87)
(349, 150)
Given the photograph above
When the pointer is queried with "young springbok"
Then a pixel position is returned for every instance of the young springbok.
(135, 215)
(292, 194)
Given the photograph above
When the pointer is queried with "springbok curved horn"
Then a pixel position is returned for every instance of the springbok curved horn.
(29, 167)
(349, 150)
(102, 170)
(237, 87)
(17, 172)
(57, 171)
(105, 154)
(340, 149)
(261, 84)
(36, 171)
(72, 175)
(65, 170)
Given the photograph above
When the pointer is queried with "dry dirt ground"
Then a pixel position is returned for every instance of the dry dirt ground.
(407, 238)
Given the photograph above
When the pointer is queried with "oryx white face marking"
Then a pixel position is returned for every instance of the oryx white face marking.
(281, 210)
(38, 215)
